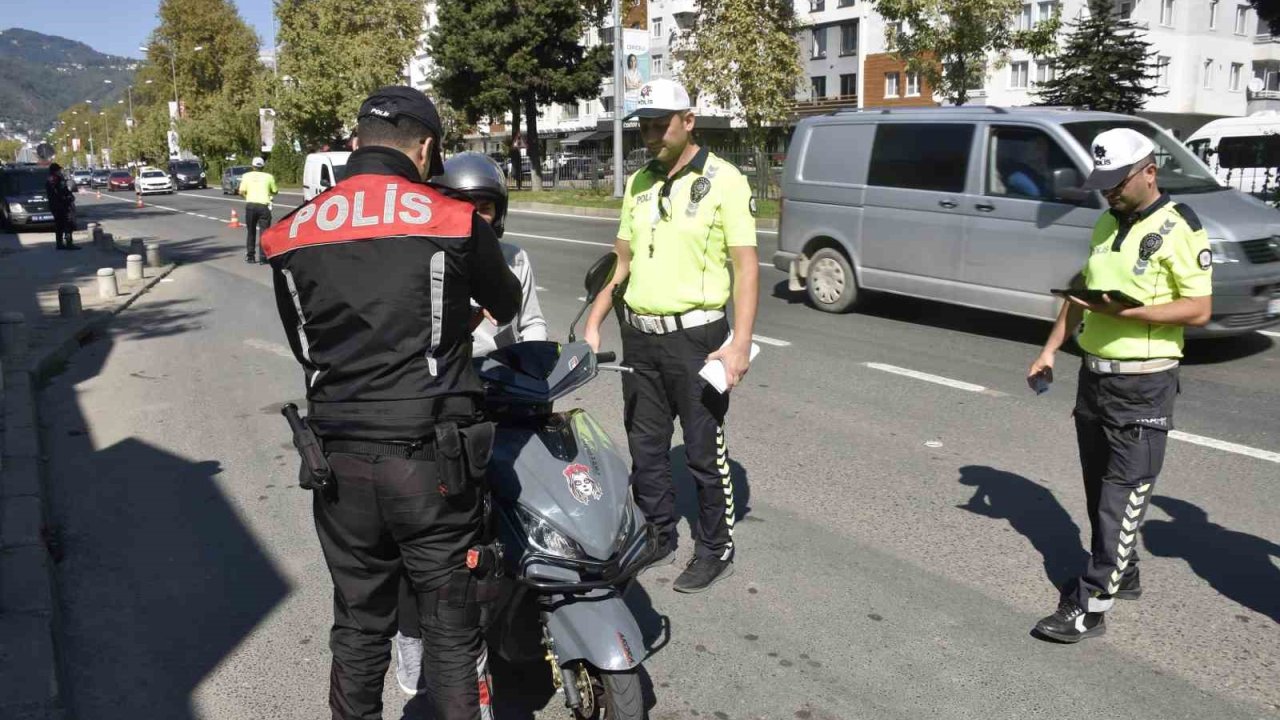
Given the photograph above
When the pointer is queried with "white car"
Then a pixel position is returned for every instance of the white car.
(154, 180)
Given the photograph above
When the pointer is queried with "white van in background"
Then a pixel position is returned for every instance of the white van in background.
(1243, 152)
(322, 171)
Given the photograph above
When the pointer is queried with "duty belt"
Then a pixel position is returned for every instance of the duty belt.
(663, 324)
(1102, 366)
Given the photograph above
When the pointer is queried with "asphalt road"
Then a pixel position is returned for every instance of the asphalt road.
(908, 505)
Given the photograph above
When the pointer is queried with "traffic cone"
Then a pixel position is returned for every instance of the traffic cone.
(139, 201)
(235, 220)
(97, 194)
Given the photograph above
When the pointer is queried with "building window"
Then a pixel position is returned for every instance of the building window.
(606, 36)
(849, 85)
(1242, 14)
(849, 38)
(817, 5)
(1166, 13)
(913, 84)
(844, 3)
(1024, 17)
(1162, 71)
(606, 104)
(819, 42)
(1234, 79)
(657, 65)
(1213, 14)
(1018, 76)
(657, 27)
(1045, 71)
(1046, 10)
(891, 85)
(819, 87)
(1126, 10)
(1208, 74)
(570, 111)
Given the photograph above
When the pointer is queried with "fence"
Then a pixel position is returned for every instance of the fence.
(593, 170)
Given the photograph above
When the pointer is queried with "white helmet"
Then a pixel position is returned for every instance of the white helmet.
(257, 162)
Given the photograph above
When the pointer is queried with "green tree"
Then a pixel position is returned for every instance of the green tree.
(953, 43)
(1105, 65)
(333, 54)
(9, 149)
(743, 54)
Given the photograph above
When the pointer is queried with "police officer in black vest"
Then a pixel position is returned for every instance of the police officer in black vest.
(374, 280)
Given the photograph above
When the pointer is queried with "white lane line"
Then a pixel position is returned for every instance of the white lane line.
(770, 341)
(273, 348)
(572, 216)
(166, 207)
(588, 242)
(936, 379)
(210, 197)
(1271, 333)
(539, 288)
(1225, 446)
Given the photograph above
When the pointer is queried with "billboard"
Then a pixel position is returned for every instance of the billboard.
(635, 67)
(267, 128)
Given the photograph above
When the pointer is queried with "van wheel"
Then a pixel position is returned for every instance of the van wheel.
(830, 284)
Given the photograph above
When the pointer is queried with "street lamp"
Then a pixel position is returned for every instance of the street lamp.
(173, 69)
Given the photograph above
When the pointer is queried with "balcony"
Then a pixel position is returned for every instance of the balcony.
(688, 8)
(823, 106)
(1265, 95)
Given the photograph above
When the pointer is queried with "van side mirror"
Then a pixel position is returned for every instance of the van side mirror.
(324, 182)
(1066, 186)
(600, 274)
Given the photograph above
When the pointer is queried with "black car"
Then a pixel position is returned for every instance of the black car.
(23, 203)
(187, 174)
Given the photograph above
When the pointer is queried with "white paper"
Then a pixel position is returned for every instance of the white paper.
(713, 371)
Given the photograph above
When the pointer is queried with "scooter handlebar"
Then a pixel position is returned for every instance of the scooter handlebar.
(606, 357)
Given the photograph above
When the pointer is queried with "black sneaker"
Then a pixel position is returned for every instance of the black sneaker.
(1071, 624)
(701, 573)
(664, 559)
(1130, 588)
(250, 259)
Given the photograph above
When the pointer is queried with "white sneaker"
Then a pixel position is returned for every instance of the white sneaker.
(408, 663)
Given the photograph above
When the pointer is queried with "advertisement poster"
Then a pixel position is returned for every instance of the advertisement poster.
(635, 66)
(173, 144)
(267, 127)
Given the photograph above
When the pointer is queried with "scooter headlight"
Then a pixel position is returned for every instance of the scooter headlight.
(547, 539)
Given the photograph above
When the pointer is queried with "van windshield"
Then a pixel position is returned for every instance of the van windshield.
(1177, 171)
(22, 182)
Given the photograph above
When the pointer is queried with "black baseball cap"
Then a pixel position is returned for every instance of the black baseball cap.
(394, 101)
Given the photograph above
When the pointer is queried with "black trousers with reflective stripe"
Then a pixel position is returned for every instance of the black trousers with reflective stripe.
(664, 386)
(257, 217)
(1121, 454)
(386, 519)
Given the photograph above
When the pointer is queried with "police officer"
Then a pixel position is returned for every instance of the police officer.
(373, 281)
(258, 188)
(61, 202)
(1154, 251)
(685, 217)
(477, 178)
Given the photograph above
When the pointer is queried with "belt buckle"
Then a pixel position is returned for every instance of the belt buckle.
(651, 324)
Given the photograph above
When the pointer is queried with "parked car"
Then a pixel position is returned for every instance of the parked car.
(231, 178)
(120, 180)
(80, 178)
(100, 178)
(573, 167)
(915, 202)
(322, 171)
(154, 180)
(23, 203)
(187, 174)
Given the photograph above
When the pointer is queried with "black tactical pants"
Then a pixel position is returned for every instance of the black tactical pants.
(257, 217)
(386, 518)
(62, 227)
(666, 385)
(1122, 427)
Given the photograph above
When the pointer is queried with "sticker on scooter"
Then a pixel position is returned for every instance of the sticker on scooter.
(582, 486)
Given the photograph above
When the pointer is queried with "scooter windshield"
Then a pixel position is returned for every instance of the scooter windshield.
(536, 370)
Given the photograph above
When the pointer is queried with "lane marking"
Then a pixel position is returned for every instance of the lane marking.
(936, 379)
(770, 341)
(593, 217)
(1225, 446)
(273, 348)
(1271, 333)
(539, 288)
(591, 242)
(166, 207)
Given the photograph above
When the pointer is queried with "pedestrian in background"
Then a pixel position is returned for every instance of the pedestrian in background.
(258, 188)
(61, 203)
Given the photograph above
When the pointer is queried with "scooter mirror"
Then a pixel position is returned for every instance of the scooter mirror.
(600, 274)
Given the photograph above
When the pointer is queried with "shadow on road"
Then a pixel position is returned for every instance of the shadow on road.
(1240, 566)
(1220, 350)
(686, 488)
(1032, 511)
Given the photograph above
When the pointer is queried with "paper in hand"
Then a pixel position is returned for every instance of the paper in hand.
(713, 372)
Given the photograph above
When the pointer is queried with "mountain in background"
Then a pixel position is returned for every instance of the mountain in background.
(42, 75)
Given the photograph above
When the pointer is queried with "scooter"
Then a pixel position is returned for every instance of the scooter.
(571, 535)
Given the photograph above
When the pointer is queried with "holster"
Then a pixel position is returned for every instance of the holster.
(315, 472)
(462, 455)
(469, 597)
(619, 292)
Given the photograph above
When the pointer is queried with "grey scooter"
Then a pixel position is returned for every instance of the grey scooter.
(571, 534)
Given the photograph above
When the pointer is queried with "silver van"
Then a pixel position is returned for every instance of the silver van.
(982, 207)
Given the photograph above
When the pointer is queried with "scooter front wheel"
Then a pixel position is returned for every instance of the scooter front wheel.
(609, 695)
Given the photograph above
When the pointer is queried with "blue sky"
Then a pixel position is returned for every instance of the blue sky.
(116, 27)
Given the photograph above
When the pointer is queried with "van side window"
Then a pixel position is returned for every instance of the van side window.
(1022, 162)
(326, 180)
(921, 156)
(1200, 148)
(1249, 151)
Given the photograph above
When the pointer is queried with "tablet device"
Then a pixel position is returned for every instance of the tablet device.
(1095, 296)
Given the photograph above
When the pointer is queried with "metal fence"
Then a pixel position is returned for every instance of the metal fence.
(592, 169)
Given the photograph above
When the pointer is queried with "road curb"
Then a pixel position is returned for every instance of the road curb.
(582, 211)
(30, 685)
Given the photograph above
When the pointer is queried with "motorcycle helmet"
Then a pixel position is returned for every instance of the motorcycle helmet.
(478, 177)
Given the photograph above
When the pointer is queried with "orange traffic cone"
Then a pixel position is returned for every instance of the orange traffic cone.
(139, 201)
(97, 194)
(235, 220)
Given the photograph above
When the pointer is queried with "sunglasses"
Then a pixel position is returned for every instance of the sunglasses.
(1120, 185)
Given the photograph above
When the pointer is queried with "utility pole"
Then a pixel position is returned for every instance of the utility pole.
(618, 180)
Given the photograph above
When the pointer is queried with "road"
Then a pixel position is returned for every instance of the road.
(908, 505)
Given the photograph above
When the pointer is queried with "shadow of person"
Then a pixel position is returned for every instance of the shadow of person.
(686, 492)
(654, 626)
(1240, 566)
(1032, 511)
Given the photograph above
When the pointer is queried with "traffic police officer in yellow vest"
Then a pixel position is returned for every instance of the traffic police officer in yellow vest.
(258, 188)
(1152, 250)
(685, 217)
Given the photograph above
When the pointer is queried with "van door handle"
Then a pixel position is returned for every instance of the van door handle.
(984, 207)
(948, 204)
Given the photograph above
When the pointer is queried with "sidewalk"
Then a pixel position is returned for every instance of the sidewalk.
(31, 350)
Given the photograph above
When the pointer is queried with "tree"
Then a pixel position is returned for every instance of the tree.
(333, 54)
(495, 55)
(953, 43)
(9, 148)
(1106, 65)
(1268, 15)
